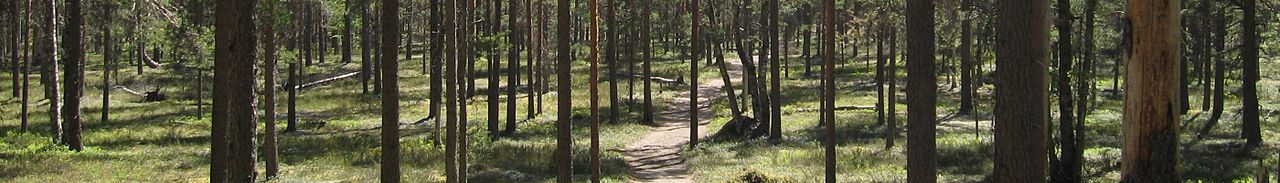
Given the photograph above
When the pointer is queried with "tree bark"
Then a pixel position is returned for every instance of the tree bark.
(366, 43)
(513, 60)
(564, 95)
(451, 91)
(73, 81)
(695, 46)
(892, 102)
(1067, 166)
(346, 32)
(829, 87)
(1251, 130)
(775, 94)
(646, 42)
(966, 61)
(294, 71)
(270, 151)
(593, 39)
(493, 78)
(390, 165)
(110, 55)
(49, 72)
(437, 68)
(234, 68)
(1219, 74)
(1022, 110)
(1150, 119)
(921, 93)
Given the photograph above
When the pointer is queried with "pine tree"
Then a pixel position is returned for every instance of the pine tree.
(234, 103)
(1150, 119)
(922, 87)
(1022, 111)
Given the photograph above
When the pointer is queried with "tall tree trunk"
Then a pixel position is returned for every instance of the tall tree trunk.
(1067, 166)
(1150, 119)
(966, 60)
(775, 74)
(437, 80)
(1219, 74)
(513, 60)
(346, 32)
(593, 57)
(292, 124)
(15, 28)
(27, 34)
(108, 62)
(308, 34)
(270, 151)
(494, 66)
(922, 84)
(695, 46)
(647, 44)
(880, 70)
(468, 76)
(564, 95)
(390, 165)
(451, 90)
(1203, 39)
(73, 82)
(234, 103)
(1251, 130)
(531, 90)
(892, 102)
(611, 58)
(1022, 99)
(49, 72)
(366, 43)
(829, 87)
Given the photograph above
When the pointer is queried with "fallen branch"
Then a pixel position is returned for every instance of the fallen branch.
(130, 91)
(660, 80)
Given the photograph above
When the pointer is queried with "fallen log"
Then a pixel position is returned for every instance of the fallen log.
(838, 108)
(326, 80)
(660, 80)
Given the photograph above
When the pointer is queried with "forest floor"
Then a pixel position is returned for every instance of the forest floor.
(657, 156)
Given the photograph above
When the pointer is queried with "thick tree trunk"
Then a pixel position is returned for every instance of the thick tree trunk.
(1251, 130)
(921, 93)
(1150, 119)
(564, 95)
(390, 153)
(1022, 110)
(234, 68)
(73, 82)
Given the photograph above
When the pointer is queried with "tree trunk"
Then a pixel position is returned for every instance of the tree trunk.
(880, 33)
(513, 60)
(494, 66)
(1067, 167)
(450, 91)
(593, 57)
(1250, 130)
(1219, 74)
(966, 62)
(108, 61)
(829, 87)
(390, 165)
(437, 80)
(73, 82)
(366, 43)
(27, 33)
(611, 58)
(270, 151)
(234, 67)
(775, 94)
(49, 72)
(1022, 110)
(564, 95)
(16, 28)
(892, 102)
(921, 93)
(695, 46)
(1150, 119)
(346, 32)
(646, 42)
(294, 71)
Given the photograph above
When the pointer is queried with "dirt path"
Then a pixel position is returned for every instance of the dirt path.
(656, 157)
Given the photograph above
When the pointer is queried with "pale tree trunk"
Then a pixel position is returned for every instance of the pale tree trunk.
(49, 67)
(1022, 92)
(1150, 119)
